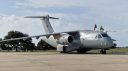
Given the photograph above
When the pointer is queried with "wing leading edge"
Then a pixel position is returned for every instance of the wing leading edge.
(56, 36)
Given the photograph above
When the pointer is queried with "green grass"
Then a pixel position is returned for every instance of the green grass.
(118, 50)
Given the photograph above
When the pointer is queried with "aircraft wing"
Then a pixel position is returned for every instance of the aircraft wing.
(56, 36)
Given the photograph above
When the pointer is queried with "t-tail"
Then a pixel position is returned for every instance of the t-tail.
(46, 24)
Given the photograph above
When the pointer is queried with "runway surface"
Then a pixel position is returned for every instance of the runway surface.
(54, 61)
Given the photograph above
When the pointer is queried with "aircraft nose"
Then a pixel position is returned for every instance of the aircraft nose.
(109, 42)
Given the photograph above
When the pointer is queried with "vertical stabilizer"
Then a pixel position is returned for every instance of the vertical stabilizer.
(46, 24)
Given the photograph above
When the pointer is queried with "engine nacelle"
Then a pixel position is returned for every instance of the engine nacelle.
(65, 39)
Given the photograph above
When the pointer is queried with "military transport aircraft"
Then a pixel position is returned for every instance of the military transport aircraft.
(80, 41)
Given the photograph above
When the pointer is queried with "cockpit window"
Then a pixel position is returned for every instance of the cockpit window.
(105, 35)
(99, 36)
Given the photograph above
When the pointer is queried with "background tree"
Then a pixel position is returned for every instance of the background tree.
(3, 46)
(42, 45)
(18, 45)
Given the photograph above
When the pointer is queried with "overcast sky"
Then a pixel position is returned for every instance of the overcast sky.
(73, 14)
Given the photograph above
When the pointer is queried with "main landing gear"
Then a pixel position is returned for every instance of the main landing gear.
(81, 51)
(64, 49)
(103, 51)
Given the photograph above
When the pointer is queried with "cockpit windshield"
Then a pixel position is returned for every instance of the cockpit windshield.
(104, 35)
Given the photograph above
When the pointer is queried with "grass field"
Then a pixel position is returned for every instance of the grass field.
(118, 50)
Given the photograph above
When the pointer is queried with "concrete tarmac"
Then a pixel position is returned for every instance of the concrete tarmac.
(54, 61)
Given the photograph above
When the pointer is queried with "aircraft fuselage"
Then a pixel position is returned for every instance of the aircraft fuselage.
(87, 40)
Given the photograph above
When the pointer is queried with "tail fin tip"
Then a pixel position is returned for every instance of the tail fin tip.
(46, 16)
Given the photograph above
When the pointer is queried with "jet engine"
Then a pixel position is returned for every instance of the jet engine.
(65, 39)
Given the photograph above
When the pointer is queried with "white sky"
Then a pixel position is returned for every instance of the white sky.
(73, 14)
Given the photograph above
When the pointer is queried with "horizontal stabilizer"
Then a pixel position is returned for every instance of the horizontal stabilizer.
(47, 16)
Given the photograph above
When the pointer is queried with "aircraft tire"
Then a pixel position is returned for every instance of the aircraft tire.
(64, 49)
(103, 52)
(81, 51)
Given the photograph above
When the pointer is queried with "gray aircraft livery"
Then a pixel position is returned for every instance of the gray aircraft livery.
(80, 41)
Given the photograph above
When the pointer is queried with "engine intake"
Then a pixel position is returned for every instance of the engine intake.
(65, 39)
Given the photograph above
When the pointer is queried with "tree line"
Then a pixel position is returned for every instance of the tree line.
(22, 44)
